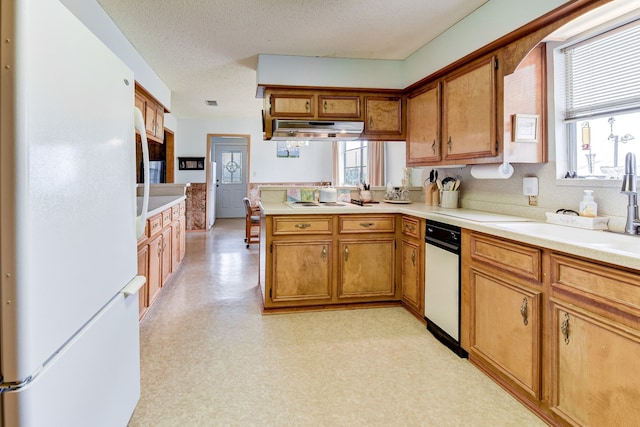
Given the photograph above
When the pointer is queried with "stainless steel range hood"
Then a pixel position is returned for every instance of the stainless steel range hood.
(315, 130)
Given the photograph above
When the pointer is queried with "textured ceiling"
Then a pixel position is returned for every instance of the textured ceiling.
(207, 49)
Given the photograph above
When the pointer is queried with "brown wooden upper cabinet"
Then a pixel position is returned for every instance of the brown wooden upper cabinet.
(339, 106)
(469, 112)
(287, 105)
(423, 126)
(383, 116)
(152, 113)
(382, 113)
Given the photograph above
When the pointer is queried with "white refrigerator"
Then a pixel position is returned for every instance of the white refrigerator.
(69, 333)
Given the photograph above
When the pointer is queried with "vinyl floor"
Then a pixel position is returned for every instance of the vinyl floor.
(210, 358)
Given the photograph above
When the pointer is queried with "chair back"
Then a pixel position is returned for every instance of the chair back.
(247, 205)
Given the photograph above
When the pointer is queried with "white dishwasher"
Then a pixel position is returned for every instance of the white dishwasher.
(442, 284)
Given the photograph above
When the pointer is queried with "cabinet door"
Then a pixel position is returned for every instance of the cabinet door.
(506, 329)
(367, 268)
(183, 238)
(301, 271)
(159, 128)
(140, 104)
(339, 106)
(469, 112)
(292, 105)
(166, 255)
(595, 369)
(423, 127)
(383, 115)
(412, 281)
(150, 118)
(143, 270)
(155, 269)
(176, 231)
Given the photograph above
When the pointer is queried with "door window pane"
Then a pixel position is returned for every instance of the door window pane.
(232, 167)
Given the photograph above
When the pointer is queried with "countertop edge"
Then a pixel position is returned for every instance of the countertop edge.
(157, 204)
(622, 259)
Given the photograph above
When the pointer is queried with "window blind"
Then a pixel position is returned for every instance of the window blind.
(602, 74)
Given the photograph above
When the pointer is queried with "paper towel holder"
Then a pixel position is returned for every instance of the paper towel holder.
(492, 171)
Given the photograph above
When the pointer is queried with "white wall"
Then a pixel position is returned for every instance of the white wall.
(96, 19)
(314, 163)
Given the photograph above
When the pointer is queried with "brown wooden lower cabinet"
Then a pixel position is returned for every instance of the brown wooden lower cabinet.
(160, 252)
(506, 326)
(367, 268)
(300, 252)
(143, 267)
(302, 271)
(595, 366)
(411, 259)
(566, 345)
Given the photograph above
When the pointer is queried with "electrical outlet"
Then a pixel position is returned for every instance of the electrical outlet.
(533, 200)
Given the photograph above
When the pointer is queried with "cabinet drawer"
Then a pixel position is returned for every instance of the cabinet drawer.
(166, 217)
(606, 285)
(175, 212)
(367, 224)
(519, 259)
(154, 225)
(411, 226)
(302, 225)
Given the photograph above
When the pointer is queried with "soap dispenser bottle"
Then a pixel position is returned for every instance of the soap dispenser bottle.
(588, 206)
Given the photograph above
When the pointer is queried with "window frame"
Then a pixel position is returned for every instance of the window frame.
(560, 129)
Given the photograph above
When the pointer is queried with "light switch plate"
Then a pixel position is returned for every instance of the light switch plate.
(530, 186)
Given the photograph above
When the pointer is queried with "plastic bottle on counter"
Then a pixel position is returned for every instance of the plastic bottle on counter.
(588, 206)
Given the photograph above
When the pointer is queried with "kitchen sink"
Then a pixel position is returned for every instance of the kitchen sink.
(296, 205)
(605, 240)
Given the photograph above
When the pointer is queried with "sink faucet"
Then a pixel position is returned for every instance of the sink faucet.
(629, 187)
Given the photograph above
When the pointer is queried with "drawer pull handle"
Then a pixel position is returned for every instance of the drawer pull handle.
(303, 225)
(366, 224)
(413, 257)
(449, 145)
(433, 147)
(523, 311)
(346, 254)
(564, 327)
(306, 106)
(324, 252)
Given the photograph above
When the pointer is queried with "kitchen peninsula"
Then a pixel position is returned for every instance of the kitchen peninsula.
(551, 313)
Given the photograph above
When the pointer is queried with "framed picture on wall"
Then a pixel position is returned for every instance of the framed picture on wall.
(190, 163)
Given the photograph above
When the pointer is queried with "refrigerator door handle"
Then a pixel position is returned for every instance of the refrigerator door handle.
(140, 127)
(133, 286)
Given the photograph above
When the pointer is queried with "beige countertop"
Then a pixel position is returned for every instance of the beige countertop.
(159, 203)
(613, 248)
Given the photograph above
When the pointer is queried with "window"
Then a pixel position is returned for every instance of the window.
(602, 101)
(354, 163)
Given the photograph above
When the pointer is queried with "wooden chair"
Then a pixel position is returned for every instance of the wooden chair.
(252, 227)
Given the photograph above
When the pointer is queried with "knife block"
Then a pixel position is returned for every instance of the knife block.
(431, 195)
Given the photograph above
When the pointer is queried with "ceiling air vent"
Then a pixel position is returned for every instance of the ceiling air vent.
(211, 103)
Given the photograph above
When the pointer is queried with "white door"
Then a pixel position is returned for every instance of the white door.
(211, 194)
(231, 179)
